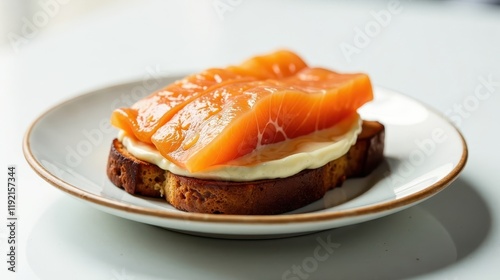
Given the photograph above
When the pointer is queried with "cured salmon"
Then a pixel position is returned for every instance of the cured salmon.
(147, 115)
(219, 115)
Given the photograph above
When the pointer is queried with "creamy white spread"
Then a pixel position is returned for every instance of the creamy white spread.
(305, 152)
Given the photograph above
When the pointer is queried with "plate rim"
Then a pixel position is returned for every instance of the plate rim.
(236, 219)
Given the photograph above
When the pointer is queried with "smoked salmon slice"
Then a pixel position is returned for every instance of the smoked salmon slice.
(219, 115)
(147, 115)
(236, 119)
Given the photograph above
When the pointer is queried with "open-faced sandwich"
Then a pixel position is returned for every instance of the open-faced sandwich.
(264, 137)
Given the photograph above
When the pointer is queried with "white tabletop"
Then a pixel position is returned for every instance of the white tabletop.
(436, 52)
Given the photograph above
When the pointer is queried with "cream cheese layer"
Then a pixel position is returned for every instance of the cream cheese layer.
(279, 160)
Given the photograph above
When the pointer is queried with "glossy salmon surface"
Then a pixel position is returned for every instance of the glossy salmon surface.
(219, 115)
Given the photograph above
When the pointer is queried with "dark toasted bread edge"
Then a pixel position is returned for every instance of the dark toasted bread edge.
(261, 197)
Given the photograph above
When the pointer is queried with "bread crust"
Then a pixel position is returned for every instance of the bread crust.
(260, 197)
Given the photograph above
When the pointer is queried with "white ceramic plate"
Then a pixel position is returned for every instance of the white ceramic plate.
(68, 146)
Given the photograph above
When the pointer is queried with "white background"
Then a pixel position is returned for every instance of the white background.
(436, 52)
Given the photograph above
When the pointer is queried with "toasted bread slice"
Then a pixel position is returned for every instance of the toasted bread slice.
(261, 197)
